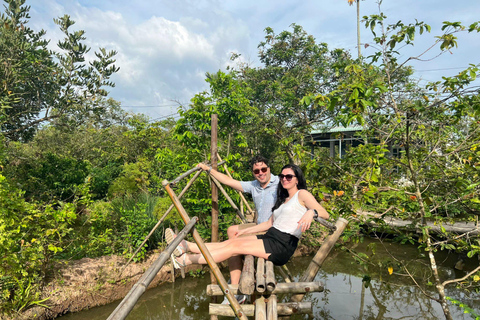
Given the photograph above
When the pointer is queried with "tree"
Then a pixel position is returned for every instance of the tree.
(436, 128)
(41, 86)
(294, 67)
(350, 2)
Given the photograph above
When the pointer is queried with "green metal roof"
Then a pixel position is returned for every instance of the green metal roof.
(337, 129)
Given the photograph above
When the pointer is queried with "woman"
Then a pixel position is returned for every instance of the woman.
(293, 213)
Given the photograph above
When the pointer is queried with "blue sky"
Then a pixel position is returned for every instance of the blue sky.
(166, 47)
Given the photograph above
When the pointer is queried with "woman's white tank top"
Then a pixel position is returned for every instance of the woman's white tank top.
(286, 217)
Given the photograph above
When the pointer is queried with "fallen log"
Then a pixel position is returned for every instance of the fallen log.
(458, 227)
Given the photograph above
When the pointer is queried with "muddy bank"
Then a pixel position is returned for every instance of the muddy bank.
(87, 283)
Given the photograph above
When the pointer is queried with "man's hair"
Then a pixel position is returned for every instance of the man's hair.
(257, 159)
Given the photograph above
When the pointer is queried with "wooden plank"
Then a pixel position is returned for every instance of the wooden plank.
(247, 278)
(260, 309)
(261, 275)
(281, 287)
(270, 276)
(272, 308)
(283, 309)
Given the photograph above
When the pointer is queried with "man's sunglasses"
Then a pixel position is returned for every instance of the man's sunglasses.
(257, 171)
(288, 177)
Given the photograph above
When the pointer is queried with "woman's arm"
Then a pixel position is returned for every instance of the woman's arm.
(258, 228)
(308, 200)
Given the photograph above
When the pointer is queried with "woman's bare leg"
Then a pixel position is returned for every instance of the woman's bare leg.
(231, 248)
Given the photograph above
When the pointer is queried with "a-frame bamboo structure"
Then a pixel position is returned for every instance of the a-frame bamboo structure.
(259, 282)
(262, 287)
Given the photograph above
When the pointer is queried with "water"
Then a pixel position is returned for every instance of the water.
(346, 296)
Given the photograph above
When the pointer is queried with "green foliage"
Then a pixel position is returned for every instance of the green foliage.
(132, 181)
(136, 221)
(30, 236)
(465, 308)
(41, 86)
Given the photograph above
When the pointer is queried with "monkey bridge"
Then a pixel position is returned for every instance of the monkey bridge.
(259, 282)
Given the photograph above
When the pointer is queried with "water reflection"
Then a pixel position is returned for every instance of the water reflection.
(346, 296)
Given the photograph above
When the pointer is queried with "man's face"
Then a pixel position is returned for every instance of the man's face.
(261, 172)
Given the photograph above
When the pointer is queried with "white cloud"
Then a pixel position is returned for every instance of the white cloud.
(165, 47)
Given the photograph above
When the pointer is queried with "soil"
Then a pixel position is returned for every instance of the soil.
(87, 283)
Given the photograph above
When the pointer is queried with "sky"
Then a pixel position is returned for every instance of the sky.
(164, 48)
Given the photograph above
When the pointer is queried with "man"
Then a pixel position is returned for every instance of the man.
(264, 194)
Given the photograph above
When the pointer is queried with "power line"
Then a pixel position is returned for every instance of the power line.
(157, 106)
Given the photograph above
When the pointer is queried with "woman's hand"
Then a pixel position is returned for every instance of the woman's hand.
(306, 221)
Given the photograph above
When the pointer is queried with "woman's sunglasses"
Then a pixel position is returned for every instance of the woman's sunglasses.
(257, 171)
(288, 177)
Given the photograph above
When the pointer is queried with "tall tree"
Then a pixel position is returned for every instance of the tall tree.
(294, 66)
(435, 128)
(350, 2)
(41, 86)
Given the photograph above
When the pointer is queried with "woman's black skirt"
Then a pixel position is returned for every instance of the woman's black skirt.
(281, 245)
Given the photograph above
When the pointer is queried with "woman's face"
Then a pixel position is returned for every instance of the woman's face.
(288, 178)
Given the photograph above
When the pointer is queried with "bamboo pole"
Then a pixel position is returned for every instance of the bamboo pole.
(326, 223)
(187, 173)
(285, 273)
(247, 280)
(283, 309)
(239, 193)
(320, 256)
(161, 220)
(214, 188)
(260, 309)
(208, 257)
(127, 304)
(230, 201)
(272, 308)
(260, 275)
(280, 288)
(270, 276)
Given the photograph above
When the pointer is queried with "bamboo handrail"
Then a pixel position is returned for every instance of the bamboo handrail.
(326, 223)
(160, 221)
(187, 173)
(252, 212)
(127, 304)
(234, 206)
(208, 257)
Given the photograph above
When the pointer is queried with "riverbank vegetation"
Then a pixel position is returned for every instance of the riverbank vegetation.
(80, 177)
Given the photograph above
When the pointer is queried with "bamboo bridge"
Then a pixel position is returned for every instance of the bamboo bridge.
(259, 282)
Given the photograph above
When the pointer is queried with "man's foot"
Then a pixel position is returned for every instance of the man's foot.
(169, 237)
(240, 298)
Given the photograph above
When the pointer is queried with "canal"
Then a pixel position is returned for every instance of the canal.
(353, 290)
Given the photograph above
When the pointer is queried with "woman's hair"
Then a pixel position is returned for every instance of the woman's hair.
(282, 193)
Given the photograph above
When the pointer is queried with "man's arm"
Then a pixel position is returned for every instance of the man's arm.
(222, 178)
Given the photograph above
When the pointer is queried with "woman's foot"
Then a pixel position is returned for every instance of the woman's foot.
(179, 262)
(181, 248)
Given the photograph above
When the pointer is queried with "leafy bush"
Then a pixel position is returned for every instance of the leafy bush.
(30, 237)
